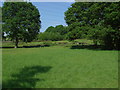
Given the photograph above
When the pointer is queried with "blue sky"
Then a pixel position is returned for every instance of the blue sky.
(52, 13)
(1, 4)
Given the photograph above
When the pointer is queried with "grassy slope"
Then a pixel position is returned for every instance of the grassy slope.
(59, 67)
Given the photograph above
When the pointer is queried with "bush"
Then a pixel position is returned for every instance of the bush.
(50, 36)
(106, 36)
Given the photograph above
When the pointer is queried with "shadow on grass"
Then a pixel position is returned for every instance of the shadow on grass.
(36, 46)
(32, 46)
(25, 78)
(91, 47)
(7, 47)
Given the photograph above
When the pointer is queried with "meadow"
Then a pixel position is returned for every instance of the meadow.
(59, 66)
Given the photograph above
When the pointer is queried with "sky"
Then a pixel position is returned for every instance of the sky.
(52, 13)
(1, 3)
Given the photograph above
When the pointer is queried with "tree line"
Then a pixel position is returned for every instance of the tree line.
(98, 21)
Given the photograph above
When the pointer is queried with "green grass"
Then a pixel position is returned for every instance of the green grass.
(11, 44)
(89, 42)
(59, 67)
(59, 43)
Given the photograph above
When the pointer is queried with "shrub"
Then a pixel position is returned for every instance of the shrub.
(50, 36)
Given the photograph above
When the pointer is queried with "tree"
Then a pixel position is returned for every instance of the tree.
(50, 29)
(94, 13)
(96, 34)
(75, 34)
(49, 36)
(97, 14)
(77, 13)
(61, 29)
(21, 21)
(58, 29)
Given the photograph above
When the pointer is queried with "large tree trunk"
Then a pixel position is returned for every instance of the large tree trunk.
(16, 42)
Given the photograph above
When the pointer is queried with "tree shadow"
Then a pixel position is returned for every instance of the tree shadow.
(91, 47)
(25, 78)
(36, 46)
(31, 46)
(7, 47)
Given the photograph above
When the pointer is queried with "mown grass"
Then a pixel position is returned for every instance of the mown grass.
(59, 67)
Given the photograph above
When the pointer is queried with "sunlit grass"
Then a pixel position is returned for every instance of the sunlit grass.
(59, 67)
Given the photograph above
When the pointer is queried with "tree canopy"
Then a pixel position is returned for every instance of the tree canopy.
(94, 13)
(53, 33)
(102, 18)
(21, 21)
(58, 29)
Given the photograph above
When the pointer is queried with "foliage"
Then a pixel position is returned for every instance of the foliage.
(50, 29)
(101, 19)
(74, 34)
(94, 13)
(50, 36)
(21, 21)
(59, 29)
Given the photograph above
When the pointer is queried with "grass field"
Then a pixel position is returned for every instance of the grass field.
(59, 67)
